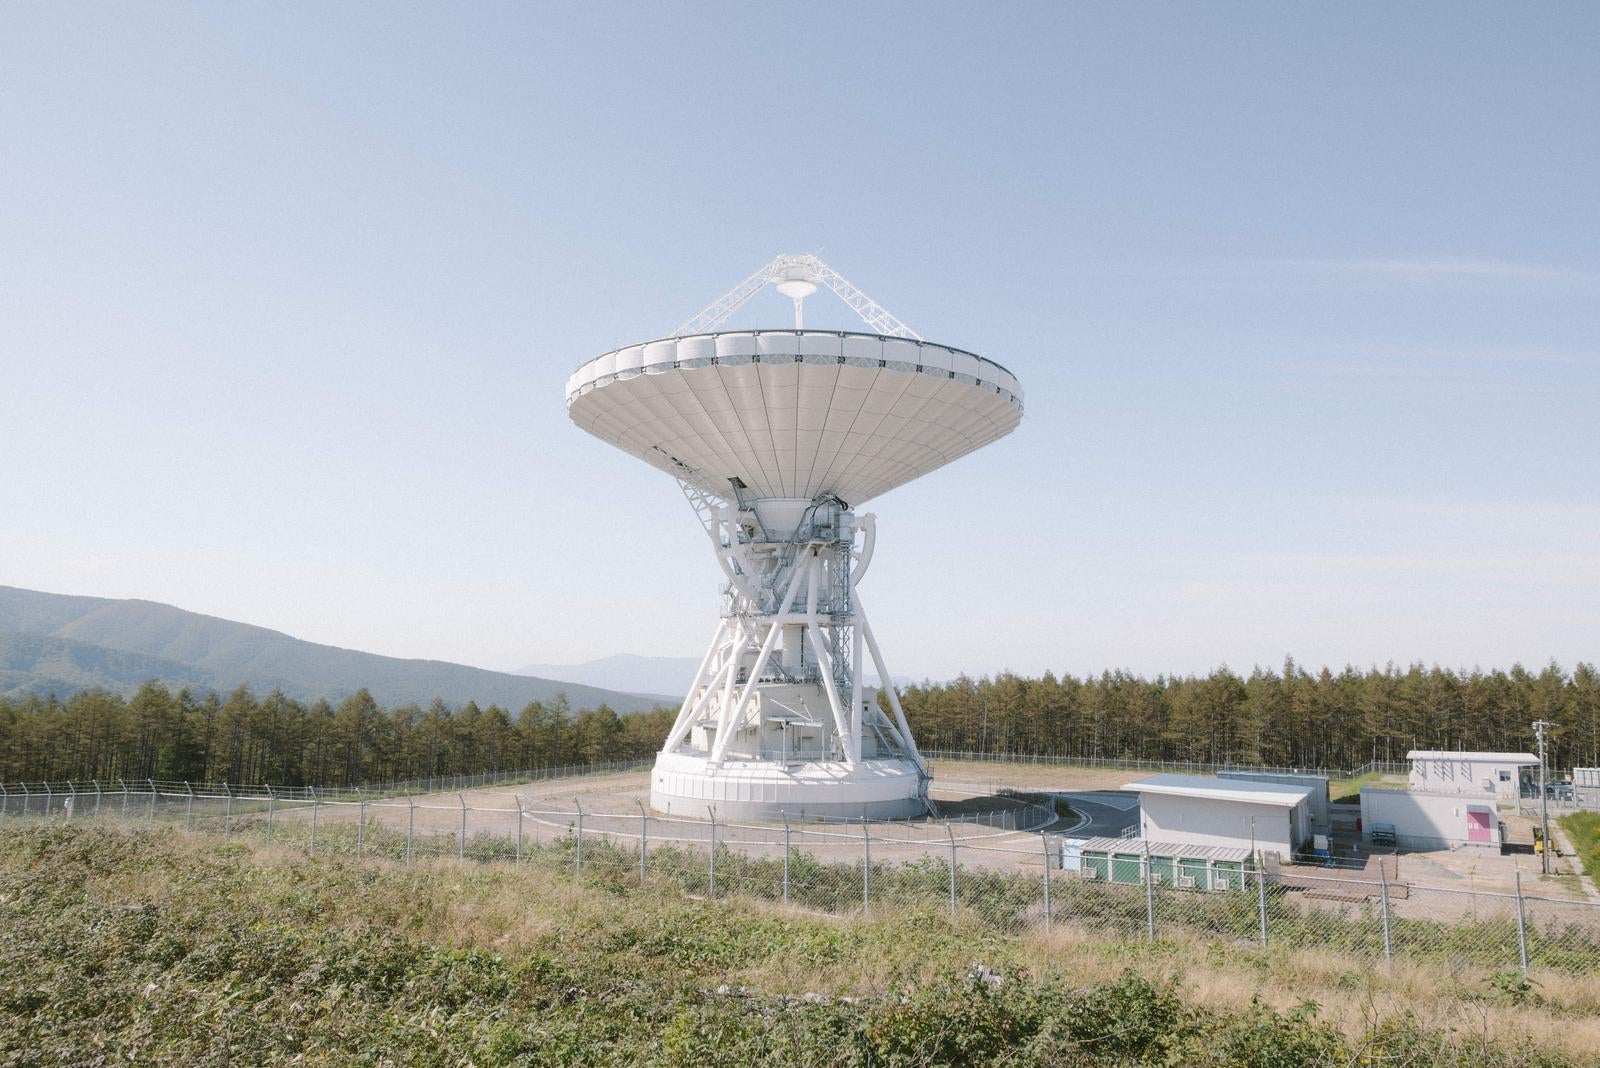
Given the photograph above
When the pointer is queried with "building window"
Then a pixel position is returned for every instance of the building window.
(1505, 776)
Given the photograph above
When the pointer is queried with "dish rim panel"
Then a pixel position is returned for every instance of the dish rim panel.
(577, 384)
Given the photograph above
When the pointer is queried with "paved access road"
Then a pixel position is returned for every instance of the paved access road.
(1108, 812)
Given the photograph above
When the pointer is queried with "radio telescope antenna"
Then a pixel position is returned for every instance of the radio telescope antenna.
(797, 277)
(776, 437)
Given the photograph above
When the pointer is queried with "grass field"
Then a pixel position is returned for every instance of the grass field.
(158, 947)
(1348, 791)
(1584, 830)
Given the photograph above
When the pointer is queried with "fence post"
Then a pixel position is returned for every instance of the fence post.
(785, 858)
(1522, 923)
(25, 796)
(1044, 840)
(361, 824)
(5, 802)
(97, 799)
(124, 783)
(518, 799)
(411, 822)
(227, 813)
(188, 806)
(1261, 898)
(1383, 890)
(644, 830)
(1149, 894)
(49, 799)
(461, 843)
(150, 819)
(711, 879)
(952, 833)
(866, 867)
(72, 799)
(315, 804)
(579, 858)
(271, 804)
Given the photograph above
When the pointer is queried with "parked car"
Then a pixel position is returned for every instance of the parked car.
(1558, 791)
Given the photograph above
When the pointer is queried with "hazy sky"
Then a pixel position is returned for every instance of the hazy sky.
(1305, 300)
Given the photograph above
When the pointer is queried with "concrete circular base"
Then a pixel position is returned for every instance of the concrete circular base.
(683, 784)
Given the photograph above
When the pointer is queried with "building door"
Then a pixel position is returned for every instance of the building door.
(1478, 825)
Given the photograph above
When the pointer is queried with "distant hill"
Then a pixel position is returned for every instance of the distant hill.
(641, 674)
(54, 643)
(31, 663)
(636, 674)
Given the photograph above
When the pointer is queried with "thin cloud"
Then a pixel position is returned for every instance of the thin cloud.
(1442, 363)
(1555, 568)
(1434, 373)
(1443, 267)
(1472, 356)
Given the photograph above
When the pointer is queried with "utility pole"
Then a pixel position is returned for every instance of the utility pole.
(1544, 802)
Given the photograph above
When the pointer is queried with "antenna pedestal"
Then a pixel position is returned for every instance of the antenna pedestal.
(778, 721)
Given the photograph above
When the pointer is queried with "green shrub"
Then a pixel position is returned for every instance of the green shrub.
(1584, 830)
(151, 947)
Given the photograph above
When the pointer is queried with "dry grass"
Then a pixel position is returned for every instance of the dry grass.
(1030, 776)
(775, 950)
(1351, 996)
(542, 911)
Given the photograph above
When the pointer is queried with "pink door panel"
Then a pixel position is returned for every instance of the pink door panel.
(1477, 826)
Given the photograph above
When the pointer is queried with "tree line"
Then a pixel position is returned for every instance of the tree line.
(243, 738)
(1284, 718)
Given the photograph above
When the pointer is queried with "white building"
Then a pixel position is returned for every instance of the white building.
(1495, 775)
(1321, 819)
(1586, 787)
(1208, 811)
(1430, 821)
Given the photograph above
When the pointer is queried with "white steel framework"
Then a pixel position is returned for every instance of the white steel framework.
(778, 717)
(785, 271)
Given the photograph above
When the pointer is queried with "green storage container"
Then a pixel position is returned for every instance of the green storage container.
(1230, 870)
(1098, 863)
(1127, 868)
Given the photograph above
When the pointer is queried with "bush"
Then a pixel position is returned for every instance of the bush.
(1584, 829)
(160, 948)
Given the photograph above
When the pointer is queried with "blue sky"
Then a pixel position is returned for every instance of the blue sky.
(1306, 303)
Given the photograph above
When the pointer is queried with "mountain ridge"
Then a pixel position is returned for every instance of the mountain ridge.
(623, 671)
(644, 674)
(79, 642)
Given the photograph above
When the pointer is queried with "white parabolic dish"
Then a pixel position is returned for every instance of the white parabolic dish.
(777, 436)
(796, 413)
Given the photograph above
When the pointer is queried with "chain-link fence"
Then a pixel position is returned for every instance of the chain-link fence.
(26, 798)
(1009, 880)
(1194, 767)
